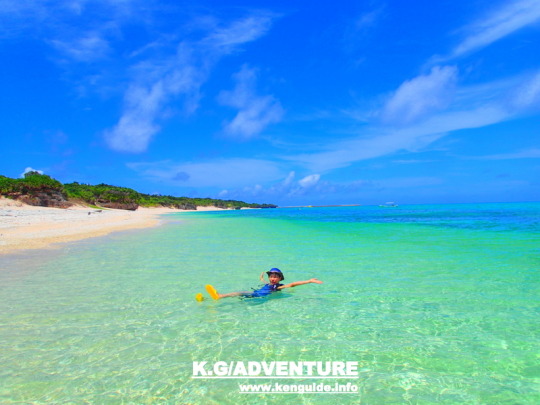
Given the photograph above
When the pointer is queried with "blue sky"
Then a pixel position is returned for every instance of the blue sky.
(285, 102)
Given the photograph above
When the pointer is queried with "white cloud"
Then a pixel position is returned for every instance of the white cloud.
(368, 20)
(287, 188)
(77, 28)
(159, 82)
(289, 179)
(511, 17)
(342, 154)
(84, 31)
(15, 8)
(527, 95)
(288, 191)
(236, 178)
(255, 112)
(155, 85)
(87, 48)
(248, 29)
(414, 138)
(50, 8)
(309, 181)
(421, 96)
(472, 107)
(387, 142)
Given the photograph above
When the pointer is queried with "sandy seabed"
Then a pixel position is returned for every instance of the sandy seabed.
(26, 227)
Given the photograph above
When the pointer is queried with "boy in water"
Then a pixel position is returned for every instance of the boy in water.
(274, 277)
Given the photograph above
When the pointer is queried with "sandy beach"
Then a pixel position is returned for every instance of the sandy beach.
(27, 227)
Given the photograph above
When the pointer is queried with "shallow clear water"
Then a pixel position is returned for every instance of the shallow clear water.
(438, 304)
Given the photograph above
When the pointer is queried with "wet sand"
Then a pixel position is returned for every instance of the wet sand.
(27, 227)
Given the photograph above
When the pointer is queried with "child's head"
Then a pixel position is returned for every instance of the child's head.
(275, 275)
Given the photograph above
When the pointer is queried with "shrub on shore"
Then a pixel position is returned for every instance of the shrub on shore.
(31, 183)
(35, 189)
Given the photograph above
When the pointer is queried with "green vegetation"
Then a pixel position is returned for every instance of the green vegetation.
(32, 184)
(104, 195)
(101, 194)
(107, 193)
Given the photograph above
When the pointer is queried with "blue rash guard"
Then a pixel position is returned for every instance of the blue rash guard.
(265, 290)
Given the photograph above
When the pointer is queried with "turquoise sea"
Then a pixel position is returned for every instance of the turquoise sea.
(438, 304)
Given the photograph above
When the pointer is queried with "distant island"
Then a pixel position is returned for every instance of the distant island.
(41, 190)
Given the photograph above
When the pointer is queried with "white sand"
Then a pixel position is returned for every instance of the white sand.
(26, 227)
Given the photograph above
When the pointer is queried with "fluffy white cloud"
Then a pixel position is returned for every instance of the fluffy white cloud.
(255, 112)
(309, 181)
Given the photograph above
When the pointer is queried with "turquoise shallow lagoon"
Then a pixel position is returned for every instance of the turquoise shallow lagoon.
(437, 303)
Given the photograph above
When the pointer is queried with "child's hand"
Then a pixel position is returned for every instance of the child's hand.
(314, 280)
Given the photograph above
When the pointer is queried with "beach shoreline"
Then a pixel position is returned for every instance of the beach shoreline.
(24, 227)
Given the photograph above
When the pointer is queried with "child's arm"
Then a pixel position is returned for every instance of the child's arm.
(295, 283)
(262, 277)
